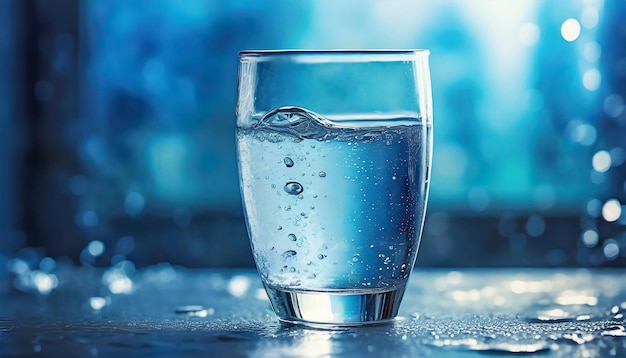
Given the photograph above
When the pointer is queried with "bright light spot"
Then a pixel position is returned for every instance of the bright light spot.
(613, 105)
(570, 30)
(569, 297)
(601, 161)
(592, 51)
(95, 248)
(454, 277)
(589, 17)
(553, 314)
(45, 282)
(238, 285)
(121, 285)
(529, 34)
(313, 343)
(519, 286)
(590, 238)
(592, 79)
(317, 308)
(463, 296)
(260, 294)
(611, 249)
(97, 303)
(611, 210)
(117, 280)
(499, 301)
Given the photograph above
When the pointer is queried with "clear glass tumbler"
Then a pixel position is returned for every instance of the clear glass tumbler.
(334, 151)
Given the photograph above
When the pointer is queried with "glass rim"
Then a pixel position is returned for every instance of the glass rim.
(335, 55)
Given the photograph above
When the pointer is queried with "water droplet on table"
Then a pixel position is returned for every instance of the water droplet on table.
(194, 311)
(614, 331)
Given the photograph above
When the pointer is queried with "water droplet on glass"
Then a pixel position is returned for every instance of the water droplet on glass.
(288, 162)
(288, 254)
(322, 174)
(293, 188)
(320, 256)
(279, 227)
(292, 237)
(292, 269)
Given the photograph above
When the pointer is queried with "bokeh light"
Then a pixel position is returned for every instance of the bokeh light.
(570, 30)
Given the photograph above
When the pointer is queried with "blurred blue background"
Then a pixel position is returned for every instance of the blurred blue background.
(118, 121)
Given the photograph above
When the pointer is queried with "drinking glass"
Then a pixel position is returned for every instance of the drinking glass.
(334, 152)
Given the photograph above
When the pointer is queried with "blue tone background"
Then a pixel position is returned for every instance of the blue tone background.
(117, 125)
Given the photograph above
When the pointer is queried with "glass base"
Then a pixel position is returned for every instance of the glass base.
(330, 309)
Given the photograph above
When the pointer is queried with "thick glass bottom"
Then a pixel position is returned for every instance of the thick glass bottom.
(330, 309)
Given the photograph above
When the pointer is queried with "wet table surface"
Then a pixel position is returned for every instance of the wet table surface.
(170, 311)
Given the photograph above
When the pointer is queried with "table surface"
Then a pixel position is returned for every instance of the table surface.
(170, 311)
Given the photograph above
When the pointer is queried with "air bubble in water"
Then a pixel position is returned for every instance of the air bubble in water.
(293, 188)
(288, 162)
(292, 237)
(320, 256)
(322, 174)
(289, 254)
